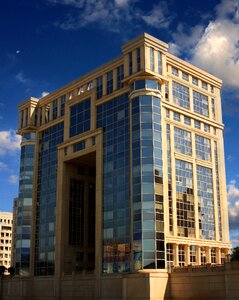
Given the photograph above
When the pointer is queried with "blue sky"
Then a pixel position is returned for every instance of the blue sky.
(45, 44)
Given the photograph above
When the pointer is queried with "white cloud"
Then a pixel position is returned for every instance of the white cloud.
(233, 204)
(218, 51)
(116, 16)
(9, 142)
(158, 17)
(43, 94)
(214, 47)
(2, 165)
(13, 179)
(21, 77)
(229, 158)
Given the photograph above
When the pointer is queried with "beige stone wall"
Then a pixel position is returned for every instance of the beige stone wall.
(206, 284)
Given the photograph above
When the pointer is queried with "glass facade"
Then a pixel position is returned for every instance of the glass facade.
(46, 199)
(113, 117)
(182, 141)
(138, 60)
(200, 104)
(185, 199)
(24, 220)
(99, 87)
(148, 206)
(120, 77)
(216, 163)
(109, 85)
(80, 117)
(205, 203)
(181, 95)
(203, 148)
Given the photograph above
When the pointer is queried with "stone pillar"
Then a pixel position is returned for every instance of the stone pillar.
(208, 255)
(198, 255)
(187, 254)
(175, 254)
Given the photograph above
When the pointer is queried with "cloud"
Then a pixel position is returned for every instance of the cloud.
(159, 16)
(116, 16)
(9, 142)
(233, 204)
(13, 179)
(21, 78)
(2, 166)
(214, 47)
(43, 94)
(229, 158)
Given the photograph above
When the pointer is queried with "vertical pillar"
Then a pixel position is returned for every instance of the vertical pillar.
(208, 255)
(187, 254)
(175, 254)
(198, 255)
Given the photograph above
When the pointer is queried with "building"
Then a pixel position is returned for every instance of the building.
(6, 239)
(123, 170)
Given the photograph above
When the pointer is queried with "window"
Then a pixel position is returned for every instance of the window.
(174, 71)
(212, 89)
(120, 76)
(80, 117)
(109, 82)
(187, 121)
(90, 86)
(167, 113)
(181, 95)
(185, 76)
(151, 59)
(204, 85)
(54, 110)
(194, 81)
(182, 141)
(63, 102)
(138, 60)
(176, 116)
(213, 109)
(200, 104)
(203, 148)
(99, 87)
(197, 124)
(159, 62)
(79, 146)
(181, 255)
(206, 128)
(130, 63)
(192, 255)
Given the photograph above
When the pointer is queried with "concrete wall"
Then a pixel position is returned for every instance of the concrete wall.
(204, 283)
(208, 283)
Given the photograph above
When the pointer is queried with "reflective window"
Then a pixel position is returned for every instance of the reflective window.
(176, 116)
(192, 255)
(138, 60)
(197, 124)
(170, 260)
(185, 76)
(63, 102)
(113, 117)
(120, 77)
(174, 71)
(109, 86)
(80, 117)
(50, 138)
(204, 85)
(182, 141)
(159, 62)
(203, 148)
(151, 55)
(99, 87)
(130, 63)
(200, 104)
(187, 121)
(205, 203)
(24, 220)
(184, 199)
(213, 109)
(54, 109)
(181, 255)
(181, 95)
(194, 81)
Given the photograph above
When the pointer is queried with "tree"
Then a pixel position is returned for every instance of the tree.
(235, 254)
